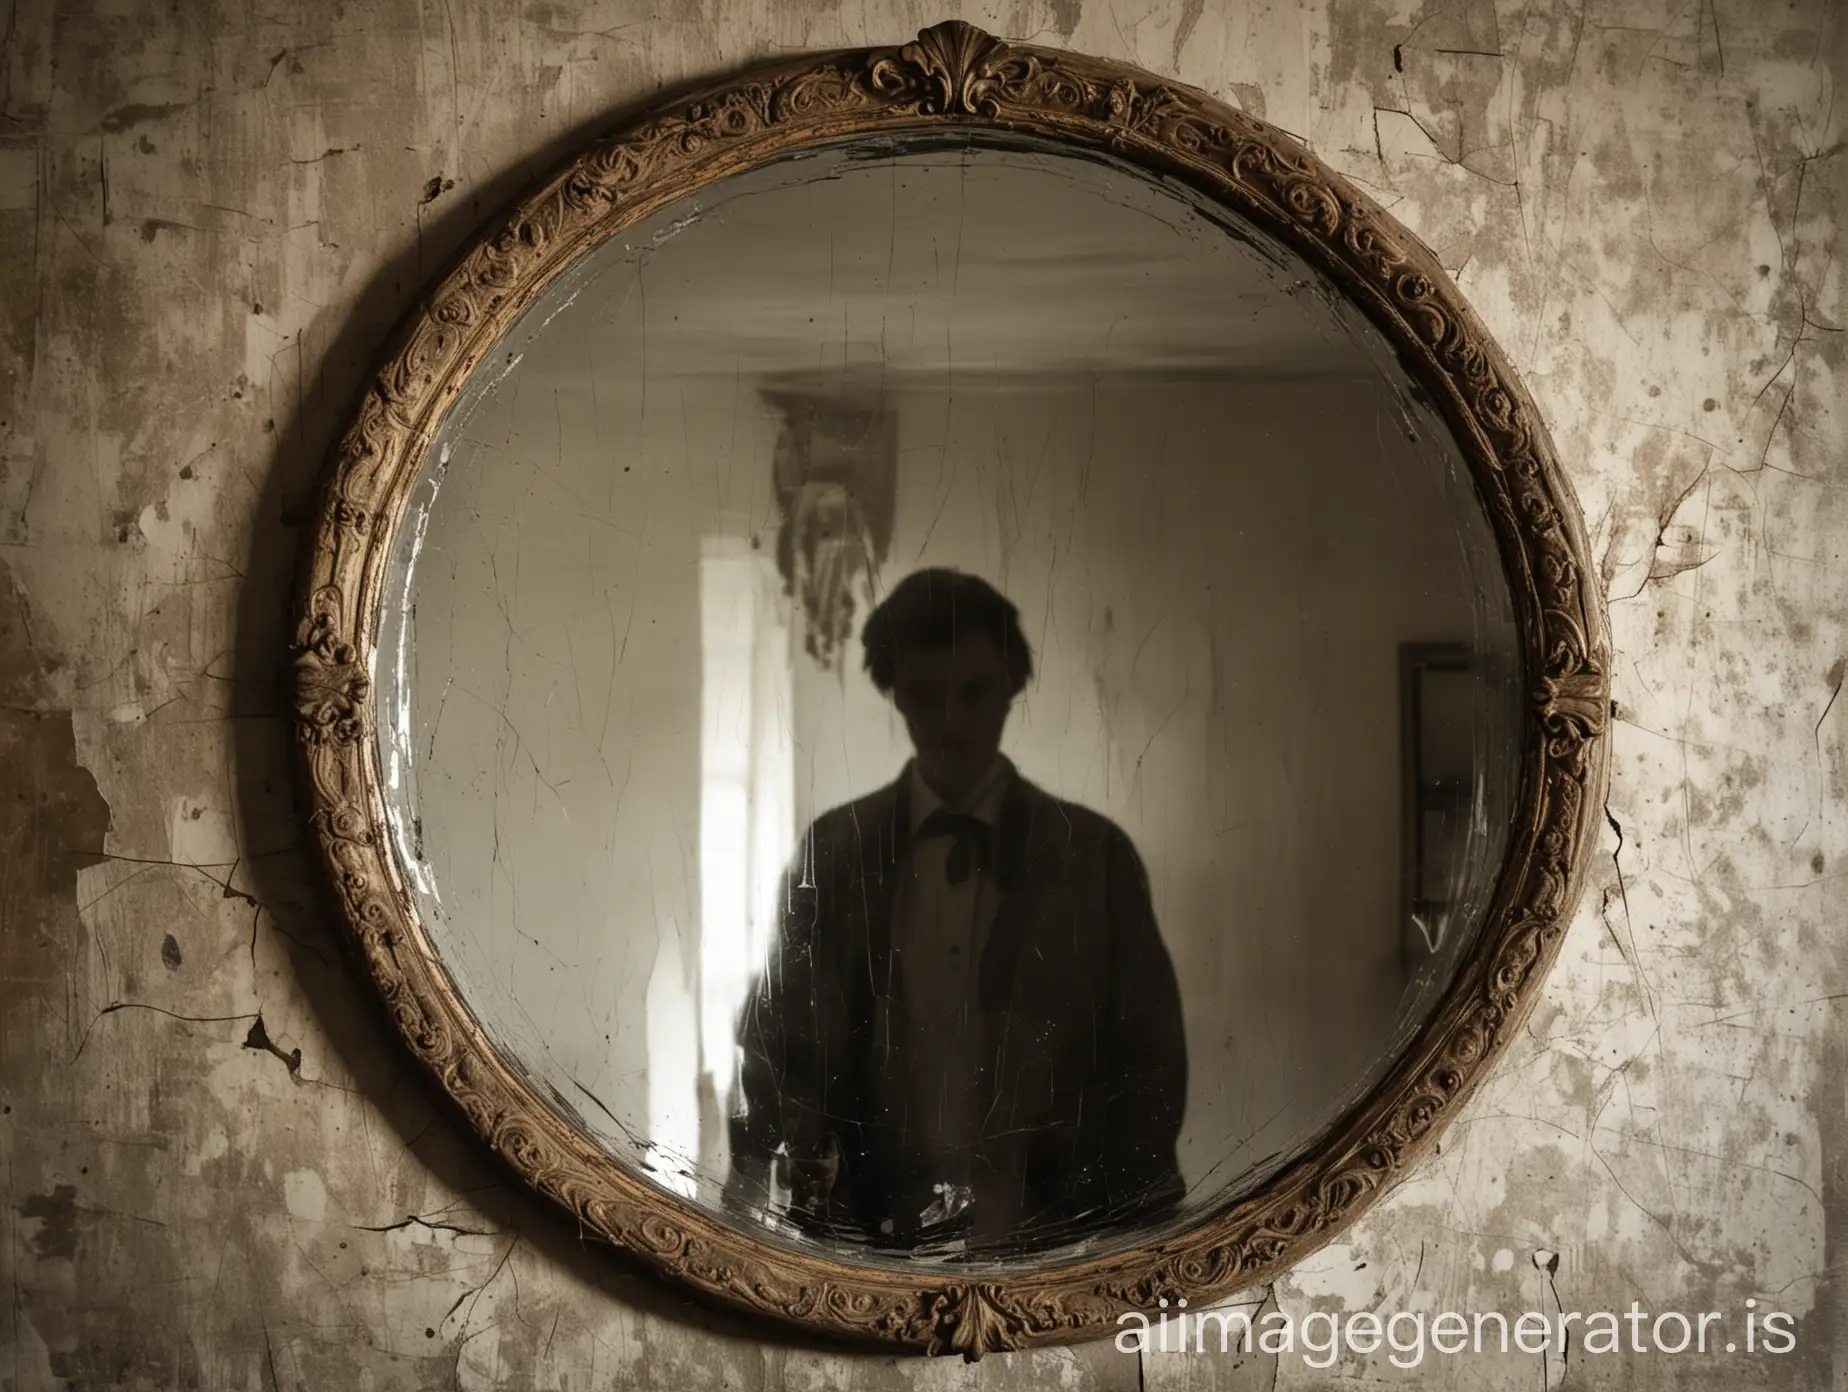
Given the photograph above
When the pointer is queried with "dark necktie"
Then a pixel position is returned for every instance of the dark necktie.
(972, 837)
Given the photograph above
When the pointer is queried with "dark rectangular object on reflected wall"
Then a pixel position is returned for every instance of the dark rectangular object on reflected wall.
(1437, 702)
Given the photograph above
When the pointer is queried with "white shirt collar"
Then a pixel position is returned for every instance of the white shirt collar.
(984, 802)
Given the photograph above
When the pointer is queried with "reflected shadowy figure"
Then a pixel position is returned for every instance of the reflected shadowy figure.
(968, 1033)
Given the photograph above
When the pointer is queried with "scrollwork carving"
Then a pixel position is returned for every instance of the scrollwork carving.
(955, 76)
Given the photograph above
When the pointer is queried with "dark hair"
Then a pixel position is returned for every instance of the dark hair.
(931, 609)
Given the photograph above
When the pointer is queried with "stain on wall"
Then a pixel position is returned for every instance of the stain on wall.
(56, 1214)
(211, 216)
(54, 824)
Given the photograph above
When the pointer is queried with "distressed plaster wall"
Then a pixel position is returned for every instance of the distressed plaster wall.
(214, 1169)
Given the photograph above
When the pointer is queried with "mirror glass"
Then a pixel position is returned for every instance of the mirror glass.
(947, 699)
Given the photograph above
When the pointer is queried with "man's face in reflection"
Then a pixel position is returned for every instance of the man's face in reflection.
(955, 700)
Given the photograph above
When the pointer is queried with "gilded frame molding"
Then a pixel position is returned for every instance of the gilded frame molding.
(956, 75)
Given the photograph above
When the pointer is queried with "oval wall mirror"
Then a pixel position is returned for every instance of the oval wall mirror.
(950, 691)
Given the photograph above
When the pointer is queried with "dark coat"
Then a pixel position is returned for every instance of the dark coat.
(1083, 1013)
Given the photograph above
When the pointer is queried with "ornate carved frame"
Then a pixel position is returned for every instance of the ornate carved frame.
(955, 75)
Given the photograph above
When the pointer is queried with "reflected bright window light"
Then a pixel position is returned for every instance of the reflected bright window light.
(673, 1064)
(747, 793)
